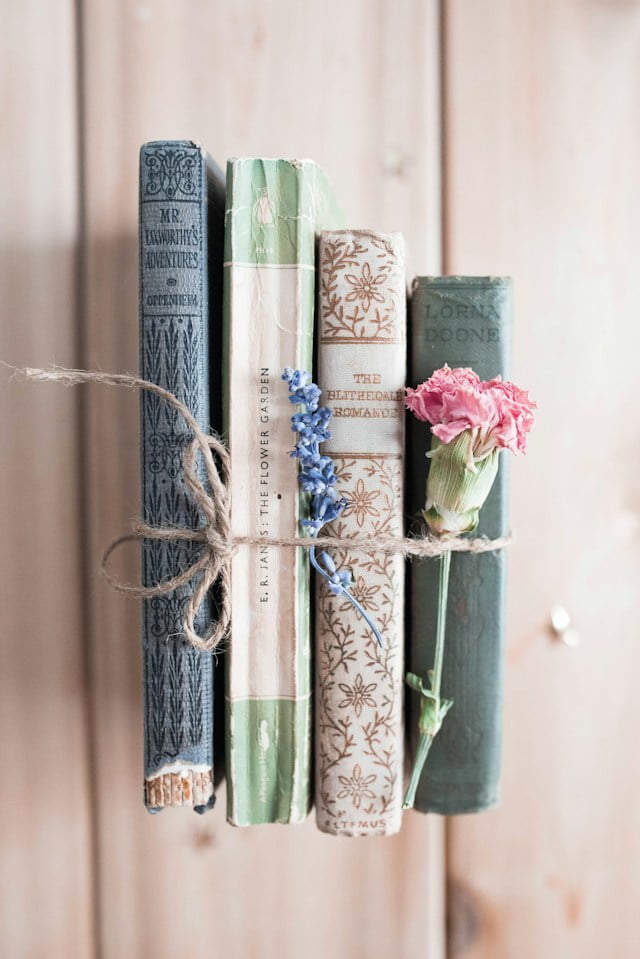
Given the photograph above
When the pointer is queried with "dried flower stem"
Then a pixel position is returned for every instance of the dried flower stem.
(433, 709)
(317, 477)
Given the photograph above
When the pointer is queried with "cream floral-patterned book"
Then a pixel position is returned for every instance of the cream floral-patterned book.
(362, 368)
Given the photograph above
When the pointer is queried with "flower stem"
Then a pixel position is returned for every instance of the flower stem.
(432, 709)
(443, 593)
(424, 745)
(370, 623)
(339, 588)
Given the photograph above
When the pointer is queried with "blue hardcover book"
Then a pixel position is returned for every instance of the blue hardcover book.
(180, 241)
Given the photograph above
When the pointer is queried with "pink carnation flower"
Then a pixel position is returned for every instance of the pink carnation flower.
(498, 413)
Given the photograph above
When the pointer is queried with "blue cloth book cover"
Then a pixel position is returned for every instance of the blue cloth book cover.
(180, 243)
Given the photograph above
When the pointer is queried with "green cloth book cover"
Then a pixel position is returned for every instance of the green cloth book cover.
(275, 208)
(465, 322)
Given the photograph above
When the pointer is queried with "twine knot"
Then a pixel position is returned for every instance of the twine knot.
(212, 567)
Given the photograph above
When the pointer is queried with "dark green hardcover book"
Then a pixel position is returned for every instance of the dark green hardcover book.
(462, 321)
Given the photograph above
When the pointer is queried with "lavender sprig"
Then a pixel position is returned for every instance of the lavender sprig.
(318, 478)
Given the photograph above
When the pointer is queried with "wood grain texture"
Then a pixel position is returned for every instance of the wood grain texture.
(46, 865)
(355, 87)
(543, 149)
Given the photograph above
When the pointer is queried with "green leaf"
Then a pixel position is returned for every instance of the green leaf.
(414, 681)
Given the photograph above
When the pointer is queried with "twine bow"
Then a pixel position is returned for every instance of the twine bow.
(213, 564)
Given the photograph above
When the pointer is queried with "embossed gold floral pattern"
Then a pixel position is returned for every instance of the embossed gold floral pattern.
(356, 787)
(359, 683)
(365, 287)
(365, 593)
(357, 695)
(359, 289)
(361, 503)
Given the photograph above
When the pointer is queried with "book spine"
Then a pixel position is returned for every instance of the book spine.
(273, 207)
(359, 684)
(174, 353)
(462, 321)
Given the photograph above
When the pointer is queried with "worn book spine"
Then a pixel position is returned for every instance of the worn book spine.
(274, 208)
(359, 684)
(462, 321)
(181, 224)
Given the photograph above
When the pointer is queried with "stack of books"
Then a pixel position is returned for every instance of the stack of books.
(241, 277)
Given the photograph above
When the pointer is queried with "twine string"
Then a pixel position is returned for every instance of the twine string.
(212, 566)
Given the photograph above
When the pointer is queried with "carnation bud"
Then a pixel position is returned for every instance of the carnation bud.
(457, 485)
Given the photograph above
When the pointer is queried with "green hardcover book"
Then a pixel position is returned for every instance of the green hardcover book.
(462, 321)
(274, 210)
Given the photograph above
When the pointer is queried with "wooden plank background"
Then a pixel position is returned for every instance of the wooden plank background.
(543, 153)
(46, 860)
(520, 122)
(254, 79)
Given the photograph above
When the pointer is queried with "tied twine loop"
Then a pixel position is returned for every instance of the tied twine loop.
(213, 564)
(212, 567)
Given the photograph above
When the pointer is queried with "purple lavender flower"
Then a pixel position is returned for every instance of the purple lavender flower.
(317, 477)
